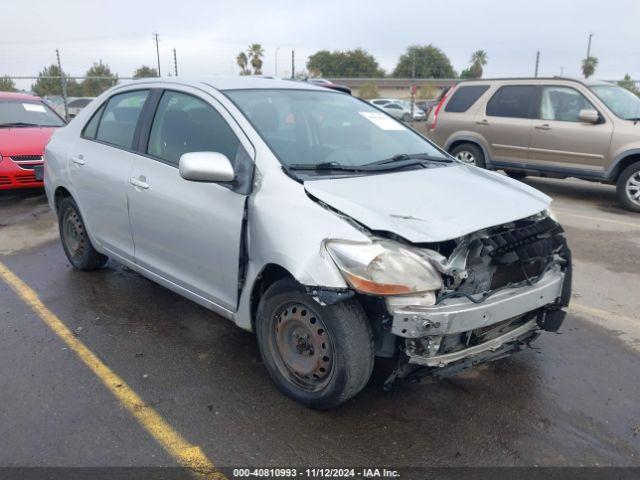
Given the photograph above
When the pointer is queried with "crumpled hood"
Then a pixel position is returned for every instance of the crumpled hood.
(430, 205)
(24, 140)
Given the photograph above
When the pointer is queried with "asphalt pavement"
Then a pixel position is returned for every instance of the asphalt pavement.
(574, 400)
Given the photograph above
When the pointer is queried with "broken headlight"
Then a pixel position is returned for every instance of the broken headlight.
(383, 267)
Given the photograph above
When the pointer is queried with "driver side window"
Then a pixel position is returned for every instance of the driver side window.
(563, 104)
(184, 123)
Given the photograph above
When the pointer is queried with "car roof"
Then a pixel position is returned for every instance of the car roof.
(234, 83)
(17, 96)
(541, 79)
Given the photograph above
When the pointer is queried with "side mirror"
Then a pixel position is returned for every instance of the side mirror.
(588, 115)
(206, 167)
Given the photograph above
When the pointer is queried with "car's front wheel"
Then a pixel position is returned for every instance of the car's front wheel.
(628, 187)
(406, 117)
(319, 356)
(75, 240)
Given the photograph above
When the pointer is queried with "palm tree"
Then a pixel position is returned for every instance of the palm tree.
(478, 60)
(256, 52)
(243, 63)
(589, 65)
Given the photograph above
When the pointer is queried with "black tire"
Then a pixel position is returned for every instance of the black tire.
(406, 117)
(516, 174)
(339, 338)
(75, 241)
(470, 154)
(626, 187)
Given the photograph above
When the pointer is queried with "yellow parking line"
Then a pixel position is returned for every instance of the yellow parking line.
(186, 454)
(596, 219)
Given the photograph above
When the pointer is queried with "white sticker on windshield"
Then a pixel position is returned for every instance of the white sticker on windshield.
(34, 107)
(382, 121)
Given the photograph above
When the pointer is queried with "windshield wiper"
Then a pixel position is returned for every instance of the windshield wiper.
(396, 162)
(403, 157)
(324, 166)
(18, 124)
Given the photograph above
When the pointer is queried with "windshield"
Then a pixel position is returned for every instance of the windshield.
(620, 101)
(307, 127)
(27, 113)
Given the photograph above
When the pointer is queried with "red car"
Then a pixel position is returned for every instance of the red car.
(26, 124)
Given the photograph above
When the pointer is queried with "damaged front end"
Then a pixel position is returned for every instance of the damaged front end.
(502, 285)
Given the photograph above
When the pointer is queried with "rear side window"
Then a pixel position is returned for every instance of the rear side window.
(184, 123)
(91, 128)
(464, 97)
(118, 123)
(513, 101)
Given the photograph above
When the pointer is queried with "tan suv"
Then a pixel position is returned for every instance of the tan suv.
(551, 127)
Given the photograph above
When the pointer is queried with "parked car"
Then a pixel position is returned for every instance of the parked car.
(76, 104)
(26, 123)
(552, 127)
(379, 102)
(333, 231)
(402, 111)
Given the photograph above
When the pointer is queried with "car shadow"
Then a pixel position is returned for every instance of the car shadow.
(596, 195)
(19, 195)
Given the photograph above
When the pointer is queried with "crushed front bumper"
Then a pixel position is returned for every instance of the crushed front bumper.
(457, 315)
(493, 345)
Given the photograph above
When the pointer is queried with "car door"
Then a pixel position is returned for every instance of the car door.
(506, 123)
(190, 233)
(100, 165)
(559, 138)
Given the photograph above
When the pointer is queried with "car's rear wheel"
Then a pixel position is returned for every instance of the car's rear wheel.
(470, 154)
(75, 240)
(319, 356)
(628, 187)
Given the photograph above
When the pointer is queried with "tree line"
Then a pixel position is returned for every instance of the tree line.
(421, 61)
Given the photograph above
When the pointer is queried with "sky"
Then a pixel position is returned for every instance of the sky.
(208, 34)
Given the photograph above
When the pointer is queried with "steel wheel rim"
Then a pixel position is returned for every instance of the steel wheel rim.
(73, 233)
(633, 188)
(466, 157)
(303, 350)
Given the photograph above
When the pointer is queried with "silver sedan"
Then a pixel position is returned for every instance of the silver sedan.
(333, 231)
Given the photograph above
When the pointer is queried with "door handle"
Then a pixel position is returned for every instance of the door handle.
(79, 160)
(138, 183)
(544, 126)
(483, 122)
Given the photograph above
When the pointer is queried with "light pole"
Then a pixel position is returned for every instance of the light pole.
(276, 70)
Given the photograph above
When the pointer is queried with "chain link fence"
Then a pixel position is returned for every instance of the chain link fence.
(417, 94)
